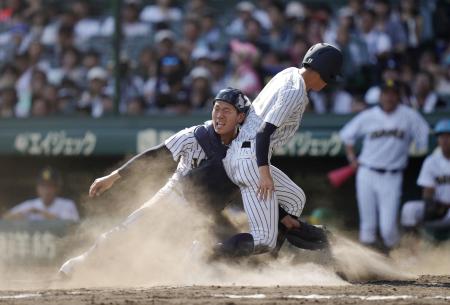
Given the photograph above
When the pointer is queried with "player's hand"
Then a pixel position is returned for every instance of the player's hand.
(354, 163)
(102, 184)
(266, 185)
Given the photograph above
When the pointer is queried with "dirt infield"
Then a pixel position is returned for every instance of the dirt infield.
(424, 290)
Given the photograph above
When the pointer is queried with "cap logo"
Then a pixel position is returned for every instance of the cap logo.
(46, 175)
(309, 60)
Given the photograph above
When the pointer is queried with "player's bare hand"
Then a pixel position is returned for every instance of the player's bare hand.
(266, 185)
(102, 184)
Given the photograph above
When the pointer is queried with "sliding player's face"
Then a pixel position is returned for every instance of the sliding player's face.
(225, 118)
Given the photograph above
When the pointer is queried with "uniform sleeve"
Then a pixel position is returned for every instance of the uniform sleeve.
(426, 176)
(420, 132)
(352, 130)
(70, 211)
(180, 142)
(22, 207)
(288, 100)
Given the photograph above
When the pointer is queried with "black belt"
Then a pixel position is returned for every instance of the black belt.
(246, 144)
(384, 171)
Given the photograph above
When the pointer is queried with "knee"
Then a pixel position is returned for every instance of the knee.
(409, 214)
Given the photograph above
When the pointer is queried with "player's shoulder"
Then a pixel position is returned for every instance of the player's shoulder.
(434, 157)
(29, 203)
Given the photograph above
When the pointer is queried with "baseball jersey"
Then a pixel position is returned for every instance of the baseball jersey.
(64, 209)
(435, 173)
(386, 136)
(281, 103)
(185, 150)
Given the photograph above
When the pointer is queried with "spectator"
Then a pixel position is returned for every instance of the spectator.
(131, 25)
(165, 43)
(136, 106)
(244, 57)
(161, 12)
(86, 25)
(424, 98)
(47, 205)
(254, 35)
(201, 92)
(387, 133)
(244, 11)
(69, 68)
(388, 21)
(94, 100)
(8, 101)
(220, 76)
(411, 21)
(211, 35)
(432, 211)
(40, 107)
(378, 42)
(66, 101)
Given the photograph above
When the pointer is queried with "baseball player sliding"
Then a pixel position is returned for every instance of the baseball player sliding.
(273, 119)
(387, 131)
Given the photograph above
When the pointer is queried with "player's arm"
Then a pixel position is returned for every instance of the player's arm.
(160, 153)
(351, 155)
(266, 185)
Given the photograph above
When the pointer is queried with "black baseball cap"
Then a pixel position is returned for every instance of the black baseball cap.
(49, 175)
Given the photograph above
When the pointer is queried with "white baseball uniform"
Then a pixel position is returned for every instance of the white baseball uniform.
(62, 208)
(281, 103)
(386, 141)
(435, 173)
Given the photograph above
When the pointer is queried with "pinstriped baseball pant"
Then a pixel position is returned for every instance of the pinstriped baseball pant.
(240, 164)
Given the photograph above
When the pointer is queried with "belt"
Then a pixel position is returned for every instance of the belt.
(246, 144)
(384, 171)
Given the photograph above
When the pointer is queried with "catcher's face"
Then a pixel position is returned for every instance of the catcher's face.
(226, 118)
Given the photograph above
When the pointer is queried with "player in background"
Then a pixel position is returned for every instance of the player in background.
(387, 131)
(47, 206)
(433, 211)
(273, 119)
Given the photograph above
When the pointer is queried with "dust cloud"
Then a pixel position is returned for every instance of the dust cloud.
(170, 244)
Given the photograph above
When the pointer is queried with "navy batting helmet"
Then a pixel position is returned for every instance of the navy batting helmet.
(326, 60)
(234, 97)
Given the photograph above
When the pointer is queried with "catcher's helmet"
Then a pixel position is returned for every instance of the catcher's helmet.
(443, 126)
(234, 97)
(326, 60)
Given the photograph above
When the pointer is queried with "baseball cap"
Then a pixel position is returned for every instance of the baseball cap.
(164, 35)
(390, 84)
(245, 6)
(200, 72)
(97, 73)
(49, 175)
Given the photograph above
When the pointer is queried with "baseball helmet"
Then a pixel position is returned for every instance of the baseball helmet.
(234, 97)
(443, 126)
(326, 60)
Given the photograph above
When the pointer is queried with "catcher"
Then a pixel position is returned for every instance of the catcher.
(199, 151)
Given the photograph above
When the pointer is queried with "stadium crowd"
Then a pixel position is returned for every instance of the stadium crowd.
(56, 56)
